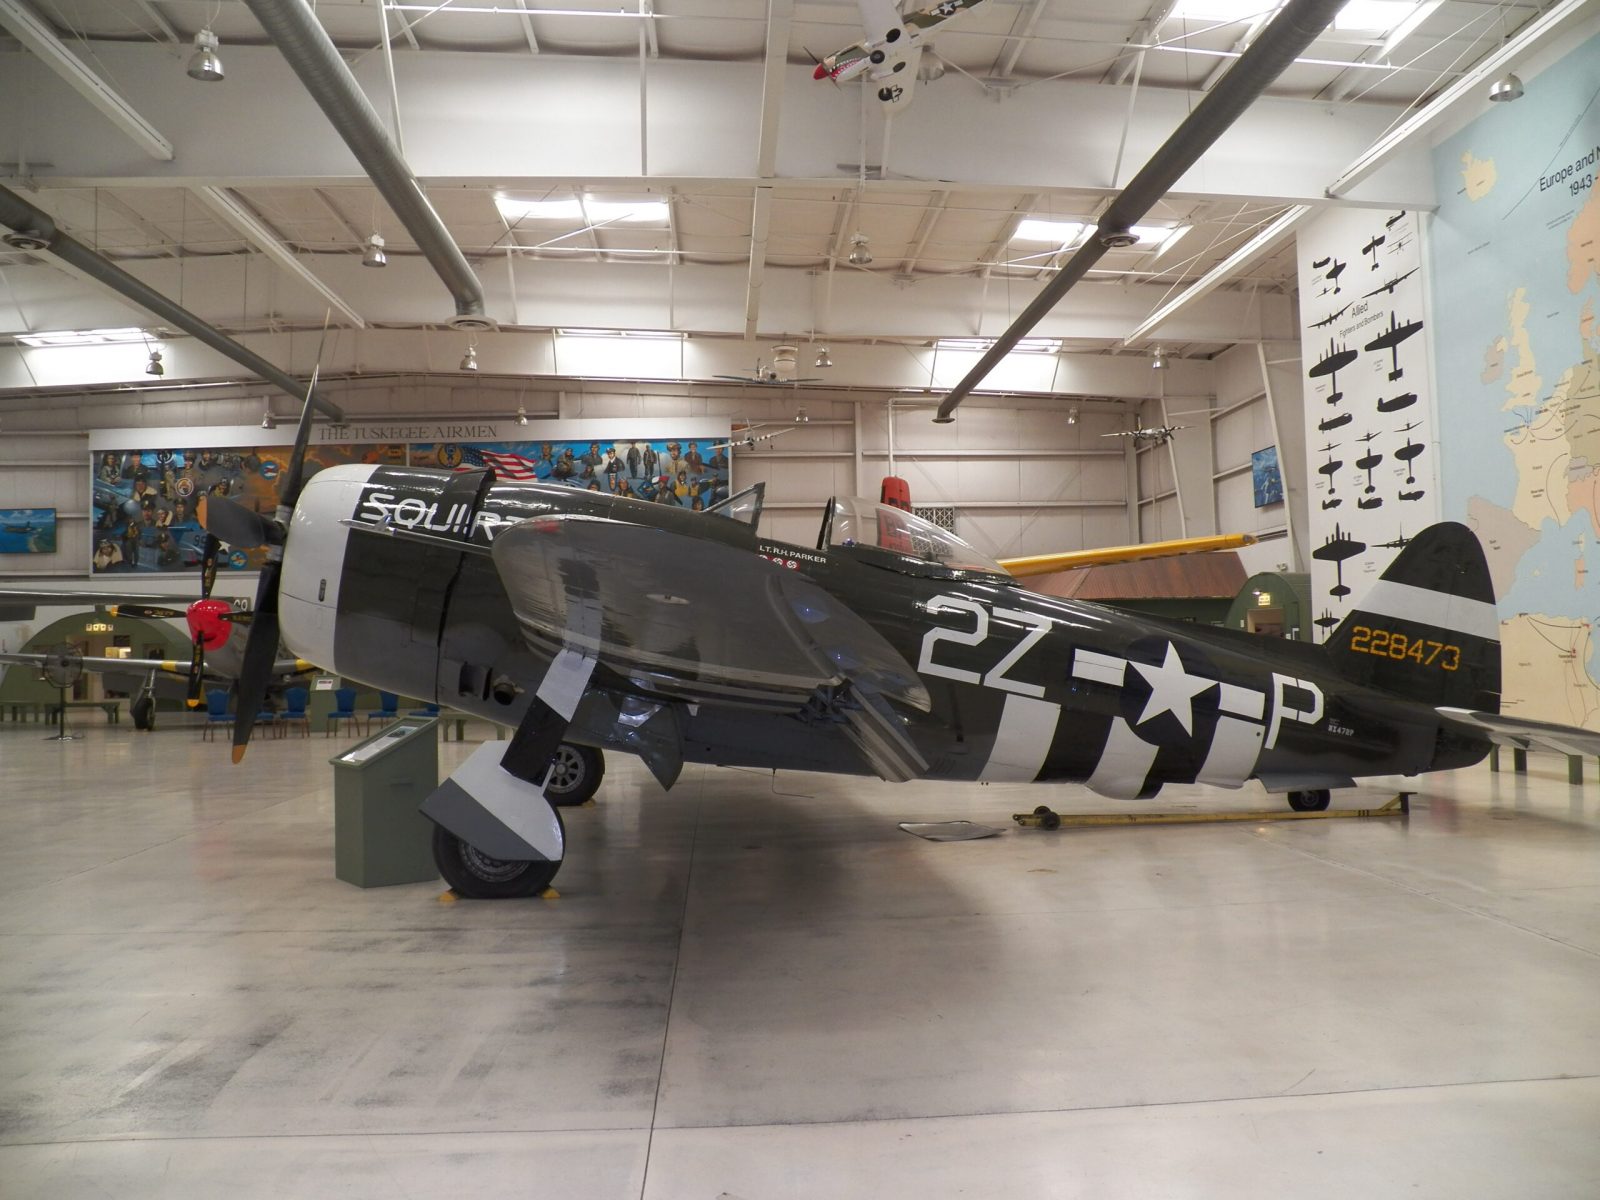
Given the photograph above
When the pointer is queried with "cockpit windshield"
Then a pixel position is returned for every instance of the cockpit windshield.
(853, 521)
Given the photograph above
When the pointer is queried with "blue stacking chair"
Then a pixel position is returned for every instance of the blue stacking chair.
(294, 712)
(389, 710)
(345, 701)
(216, 713)
(427, 710)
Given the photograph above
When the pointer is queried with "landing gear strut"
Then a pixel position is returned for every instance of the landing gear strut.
(1312, 801)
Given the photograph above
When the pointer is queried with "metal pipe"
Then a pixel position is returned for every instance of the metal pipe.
(1294, 28)
(36, 230)
(309, 51)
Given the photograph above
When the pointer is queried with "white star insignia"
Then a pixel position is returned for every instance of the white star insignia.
(1172, 689)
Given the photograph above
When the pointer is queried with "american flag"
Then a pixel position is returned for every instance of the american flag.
(506, 466)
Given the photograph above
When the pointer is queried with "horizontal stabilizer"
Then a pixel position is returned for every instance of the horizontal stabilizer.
(1521, 734)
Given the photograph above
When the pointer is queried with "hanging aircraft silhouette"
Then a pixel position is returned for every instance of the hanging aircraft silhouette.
(891, 648)
(1155, 435)
(892, 48)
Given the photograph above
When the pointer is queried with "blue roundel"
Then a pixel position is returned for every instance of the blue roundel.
(237, 559)
(269, 468)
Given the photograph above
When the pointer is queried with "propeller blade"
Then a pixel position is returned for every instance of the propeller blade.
(153, 611)
(236, 618)
(261, 648)
(208, 564)
(233, 523)
(255, 672)
(196, 667)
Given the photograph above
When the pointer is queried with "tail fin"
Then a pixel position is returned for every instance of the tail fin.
(1428, 629)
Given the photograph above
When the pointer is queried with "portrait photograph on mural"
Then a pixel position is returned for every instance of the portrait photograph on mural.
(689, 472)
(145, 517)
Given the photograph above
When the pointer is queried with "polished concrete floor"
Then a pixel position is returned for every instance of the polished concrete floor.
(758, 988)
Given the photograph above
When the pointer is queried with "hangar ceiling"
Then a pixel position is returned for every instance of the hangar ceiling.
(675, 166)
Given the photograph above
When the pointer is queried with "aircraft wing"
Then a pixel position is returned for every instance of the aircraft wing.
(165, 666)
(23, 601)
(878, 17)
(895, 86)
(1521, 734)
(698, 621)
(1047, 564)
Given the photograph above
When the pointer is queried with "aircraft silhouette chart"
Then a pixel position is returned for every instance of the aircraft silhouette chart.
(1326, 621)
(1334, 422)
(1330, 468)
(1395, 220)
(1330, 318)
(1369, 460)
(892, 49)
(1391, 285)
(1333, 272)
(1335, 359)
(1337, 549)
(1390, 340)
(1371, 249)
(891, 648)
(1410, 451)
(1396, 403)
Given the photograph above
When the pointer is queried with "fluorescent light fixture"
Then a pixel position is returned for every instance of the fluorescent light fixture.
(1374, 16)
(513, 209)
(583, 211)
(658, 335)
(1036, 345)
(1224, 10)
(634, 212)
(1069, 233)
(1053, 233)
(82, 337)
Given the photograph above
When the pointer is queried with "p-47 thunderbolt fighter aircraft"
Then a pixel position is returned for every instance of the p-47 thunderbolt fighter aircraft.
(890, 648)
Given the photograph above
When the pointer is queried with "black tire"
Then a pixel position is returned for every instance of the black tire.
(1050, 820)
(577, 775)
(1313, 801)
(475, 876)
(144, 713)
(876, 57)
(1041, 810)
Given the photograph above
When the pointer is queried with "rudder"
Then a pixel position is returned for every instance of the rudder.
(1428, 630)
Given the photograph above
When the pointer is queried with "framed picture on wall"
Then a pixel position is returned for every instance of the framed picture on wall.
(1265, 478)
(27, 531)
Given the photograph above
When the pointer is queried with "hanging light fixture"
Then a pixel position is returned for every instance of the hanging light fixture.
(469, 360)
(154, 367)
(375, 257)
(800, 417)
(823, 361)
(1072, 416)
(204, 64)
(1158, 361)
(1507, 88)
(860, 256)
(268, 421)
(522, 415)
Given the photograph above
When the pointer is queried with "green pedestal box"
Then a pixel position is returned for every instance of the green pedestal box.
(379, 836)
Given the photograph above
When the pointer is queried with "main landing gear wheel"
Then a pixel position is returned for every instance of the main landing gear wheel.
(476, 876)
(1313, 801)
(144, 713)
(575, 775)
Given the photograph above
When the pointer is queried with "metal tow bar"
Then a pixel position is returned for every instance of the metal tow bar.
(1045, 817)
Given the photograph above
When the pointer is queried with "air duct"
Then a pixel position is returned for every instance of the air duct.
(34, 229)
(306, 47)
(1294, 28)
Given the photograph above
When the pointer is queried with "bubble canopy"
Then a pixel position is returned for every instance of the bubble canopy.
(852, 521)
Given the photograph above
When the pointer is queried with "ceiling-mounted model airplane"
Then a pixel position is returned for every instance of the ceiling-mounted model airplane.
(750, 440)
(1155, 435)
(892, 48)
(768, 375)
(891, 648)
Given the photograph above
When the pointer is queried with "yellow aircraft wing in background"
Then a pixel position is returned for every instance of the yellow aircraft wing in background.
(1048, 564)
